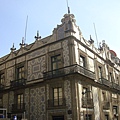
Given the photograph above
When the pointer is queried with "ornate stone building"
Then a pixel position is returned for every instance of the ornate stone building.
(61, 77)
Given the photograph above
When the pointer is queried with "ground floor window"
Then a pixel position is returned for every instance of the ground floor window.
(88, 117)
(58, 118)
(106, 117)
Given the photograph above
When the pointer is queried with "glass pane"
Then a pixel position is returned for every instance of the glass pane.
(22, 68)
(55, 102)
(82, 61)
(59, 65)
(54, 66)
(60, 92)
(22, 76)
(59, 57)
(60, 102)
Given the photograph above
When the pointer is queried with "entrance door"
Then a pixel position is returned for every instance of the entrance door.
(58, 118)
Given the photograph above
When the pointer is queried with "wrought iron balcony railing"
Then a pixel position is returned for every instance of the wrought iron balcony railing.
(69, 70)
(87, 102)
(57, 102)
(18, 107)
(106, 82)
(115, 101)
(109, 84)
(18, 83)
(116, 86)
(106, 105)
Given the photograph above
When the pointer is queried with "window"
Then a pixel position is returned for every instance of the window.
(56, 62)
(88, 117)
(86, 93)
(57, 117)
(82, 61)
(104, 96)
(110, 77)
(1, 104)
(115, 110)
(2, 78)
(57, 96)
(19, 101)
(99, 72)
(117, 80)
(106, 117)
(21, 72)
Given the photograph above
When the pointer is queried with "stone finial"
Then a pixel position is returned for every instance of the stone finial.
(91, 40)
(100, 47)
(38, 36)
(13, 48)
(23, 43)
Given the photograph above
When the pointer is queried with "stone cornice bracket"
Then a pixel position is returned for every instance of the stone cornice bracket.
(38, 37)
(13, 48)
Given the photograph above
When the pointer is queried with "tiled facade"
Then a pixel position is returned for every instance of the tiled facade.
(61, 77)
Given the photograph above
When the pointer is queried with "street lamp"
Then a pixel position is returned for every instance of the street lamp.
(83, 93)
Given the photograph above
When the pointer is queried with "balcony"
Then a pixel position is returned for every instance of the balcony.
(87, 102)
(116, 86)
(17, 108)
(58, 103)
(106, 82)
(2, 86)
(69, 70)
(106, 105)
(115, 101)
(18, 83)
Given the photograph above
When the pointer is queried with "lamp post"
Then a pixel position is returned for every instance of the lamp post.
(83, 93)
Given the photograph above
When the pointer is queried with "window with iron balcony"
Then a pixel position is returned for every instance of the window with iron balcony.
(20, 77)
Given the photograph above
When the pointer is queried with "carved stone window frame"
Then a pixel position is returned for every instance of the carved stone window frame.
(102, 69)
(54, 53)
(84, 55)
(19, 65)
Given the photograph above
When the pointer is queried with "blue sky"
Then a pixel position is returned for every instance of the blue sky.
(44, 15)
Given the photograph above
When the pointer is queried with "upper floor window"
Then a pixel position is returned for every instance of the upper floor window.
(82, 61)
(56, 62)
(57, 96)
(20, 72)
(110, 77)
(117, 80)
(2, 78)
(104, 96)
(99, 72)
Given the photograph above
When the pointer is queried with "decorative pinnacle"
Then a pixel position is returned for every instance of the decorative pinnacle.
(23, 43)
(13, 48)
(38, 36)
